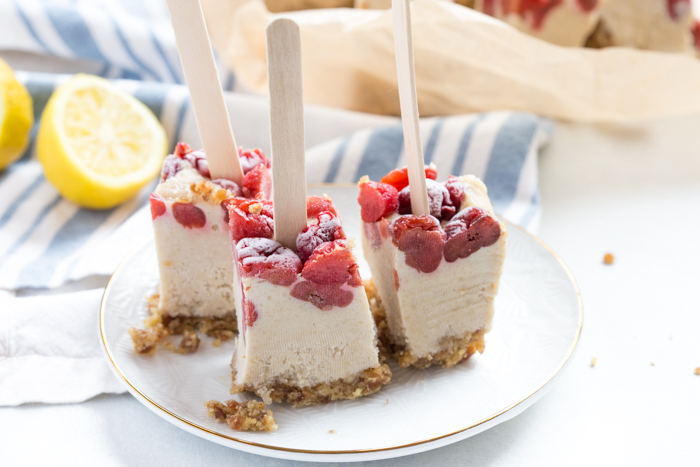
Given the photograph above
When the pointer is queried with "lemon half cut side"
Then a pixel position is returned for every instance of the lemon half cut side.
(98, 144)
(16, 116)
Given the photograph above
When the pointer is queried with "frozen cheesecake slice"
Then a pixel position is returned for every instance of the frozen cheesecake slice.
(561, 22)
(190, 222)
(306, 332)
(436, 275)
(663, 25)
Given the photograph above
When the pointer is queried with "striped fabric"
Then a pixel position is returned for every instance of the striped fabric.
(46, 241)
(125, 39)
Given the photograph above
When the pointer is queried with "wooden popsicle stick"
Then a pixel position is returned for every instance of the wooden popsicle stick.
(408, 98)
(286, 130)
(205, 89)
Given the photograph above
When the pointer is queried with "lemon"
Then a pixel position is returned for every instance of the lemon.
(98, 145)
(16, 116)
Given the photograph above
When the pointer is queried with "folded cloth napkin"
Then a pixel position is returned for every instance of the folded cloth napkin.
(50, 350)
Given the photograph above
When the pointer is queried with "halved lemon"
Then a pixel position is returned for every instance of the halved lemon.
(16, 116)
(99, 145)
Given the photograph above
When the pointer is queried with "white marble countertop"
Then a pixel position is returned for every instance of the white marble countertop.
(634, 192)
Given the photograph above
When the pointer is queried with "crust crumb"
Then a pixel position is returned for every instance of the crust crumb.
(697, 371)
(145, 341)
(331, 432)
(222, 329)
(245, 416)
(189, 343)
(608, 259)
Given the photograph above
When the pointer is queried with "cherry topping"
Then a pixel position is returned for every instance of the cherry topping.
(318, 204)
(171, 166)
(189, 216)
(398, 178)
(468, 231)
(327, 229)
(322, 296)
(229, 185)
(157, 205)
(456, 189)
(377, 200)
(249, 218)
(198, 160)
(251, 158)
(421, 239)
(268, 260)
(181, 149)
(332, 263)
(439, 200)
(257, 181)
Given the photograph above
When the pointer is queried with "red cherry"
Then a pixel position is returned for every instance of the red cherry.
(439, 200)
(249, 218)
(250, 314)
(257, 181)
(231, 187)
(318, 204)
(456, 189)
(326, 229)
(468, 231)
(331, 263)
(398, 178)
(198, 160)
(157, 205)
(421, 239)
(189, 216)
(322, 296)
(268, 260)
(377, 200)
(171, 166)
(251, 158)
(181, 149)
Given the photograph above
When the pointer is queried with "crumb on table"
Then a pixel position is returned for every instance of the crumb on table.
(608, 259)
(593, 360)
(242, 416)
(332, 432)
(697, 371)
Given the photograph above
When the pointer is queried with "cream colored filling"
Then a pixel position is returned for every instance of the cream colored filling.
(196, 271)
(454, 299)
(293, 342)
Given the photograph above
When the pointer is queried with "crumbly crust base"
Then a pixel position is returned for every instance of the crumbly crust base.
(242, 416)
(160, 325)
(368, 382)
(453, 349)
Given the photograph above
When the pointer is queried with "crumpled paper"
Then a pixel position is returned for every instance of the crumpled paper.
(465, 62)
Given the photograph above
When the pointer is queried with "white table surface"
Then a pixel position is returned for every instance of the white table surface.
(631, 191)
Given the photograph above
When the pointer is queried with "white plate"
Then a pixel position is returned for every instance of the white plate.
(537, 325)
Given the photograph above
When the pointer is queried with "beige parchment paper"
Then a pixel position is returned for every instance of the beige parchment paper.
(465, 62)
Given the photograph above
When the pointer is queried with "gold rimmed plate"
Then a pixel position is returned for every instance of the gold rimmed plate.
(536, 328)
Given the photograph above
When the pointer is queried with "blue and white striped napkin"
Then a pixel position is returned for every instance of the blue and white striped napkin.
(47, 242)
